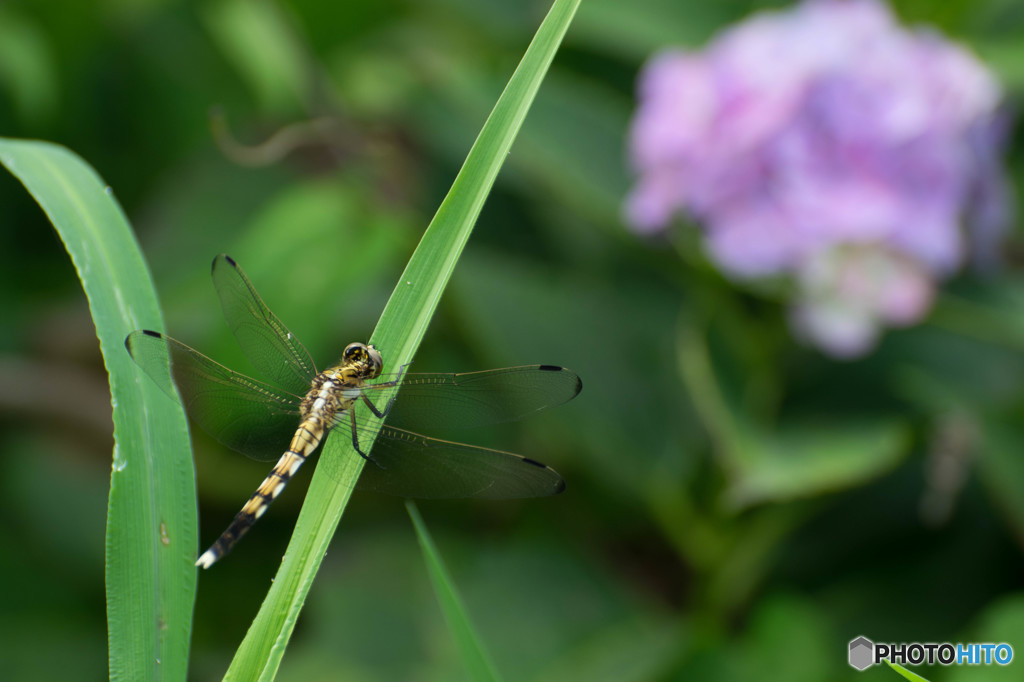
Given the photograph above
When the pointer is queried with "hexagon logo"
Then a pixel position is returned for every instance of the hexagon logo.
(862, 653)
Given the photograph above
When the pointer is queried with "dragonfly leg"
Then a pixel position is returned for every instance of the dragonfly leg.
(380, 414)
(355, 440)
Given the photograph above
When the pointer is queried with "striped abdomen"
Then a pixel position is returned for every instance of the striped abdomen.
(306, 439)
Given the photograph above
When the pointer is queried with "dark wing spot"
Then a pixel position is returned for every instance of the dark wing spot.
(534, 463)
(147, 332)
(227, 258)
(550, 368)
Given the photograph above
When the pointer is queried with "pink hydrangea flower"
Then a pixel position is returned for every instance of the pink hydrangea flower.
(829, 144)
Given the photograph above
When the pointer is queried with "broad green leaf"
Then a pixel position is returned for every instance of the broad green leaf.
(799, 458)
(806, 459)
(398, 335)
(151, 521)
(478, 663)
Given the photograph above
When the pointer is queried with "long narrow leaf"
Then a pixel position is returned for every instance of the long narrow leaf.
(151, 517)
(478, 663)
(398, 335)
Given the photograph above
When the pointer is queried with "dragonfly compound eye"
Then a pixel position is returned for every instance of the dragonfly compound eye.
(376, 360)
(353, 352)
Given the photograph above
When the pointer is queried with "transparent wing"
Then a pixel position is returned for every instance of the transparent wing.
(242, 413)
(460, 401)
(410, 465)
(266, 342)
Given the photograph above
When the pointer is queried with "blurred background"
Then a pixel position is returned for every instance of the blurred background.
(742, 501)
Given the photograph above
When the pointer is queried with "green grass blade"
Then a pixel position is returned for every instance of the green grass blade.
(398, 335)
(478, 663)
(151, 518)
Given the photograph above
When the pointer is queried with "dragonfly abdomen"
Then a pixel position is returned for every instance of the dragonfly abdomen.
(323, 406)
(306, 439)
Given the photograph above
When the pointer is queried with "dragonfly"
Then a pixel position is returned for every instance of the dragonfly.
(286, 417)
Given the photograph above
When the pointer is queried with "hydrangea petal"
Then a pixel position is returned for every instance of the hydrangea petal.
(829, 144)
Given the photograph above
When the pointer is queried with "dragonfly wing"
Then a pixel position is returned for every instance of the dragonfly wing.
(269, 346)
(458, 401)
(242, 413)
(410, 465)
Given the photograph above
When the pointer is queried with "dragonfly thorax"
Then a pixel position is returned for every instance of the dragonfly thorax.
(333, 390)
(331, 393)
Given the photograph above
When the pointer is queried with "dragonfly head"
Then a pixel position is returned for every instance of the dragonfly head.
(364, 359)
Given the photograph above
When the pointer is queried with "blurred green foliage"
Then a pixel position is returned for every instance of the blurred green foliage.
(738, 507)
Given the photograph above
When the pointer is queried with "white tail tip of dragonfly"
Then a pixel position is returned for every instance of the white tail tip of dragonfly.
(207, 559)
